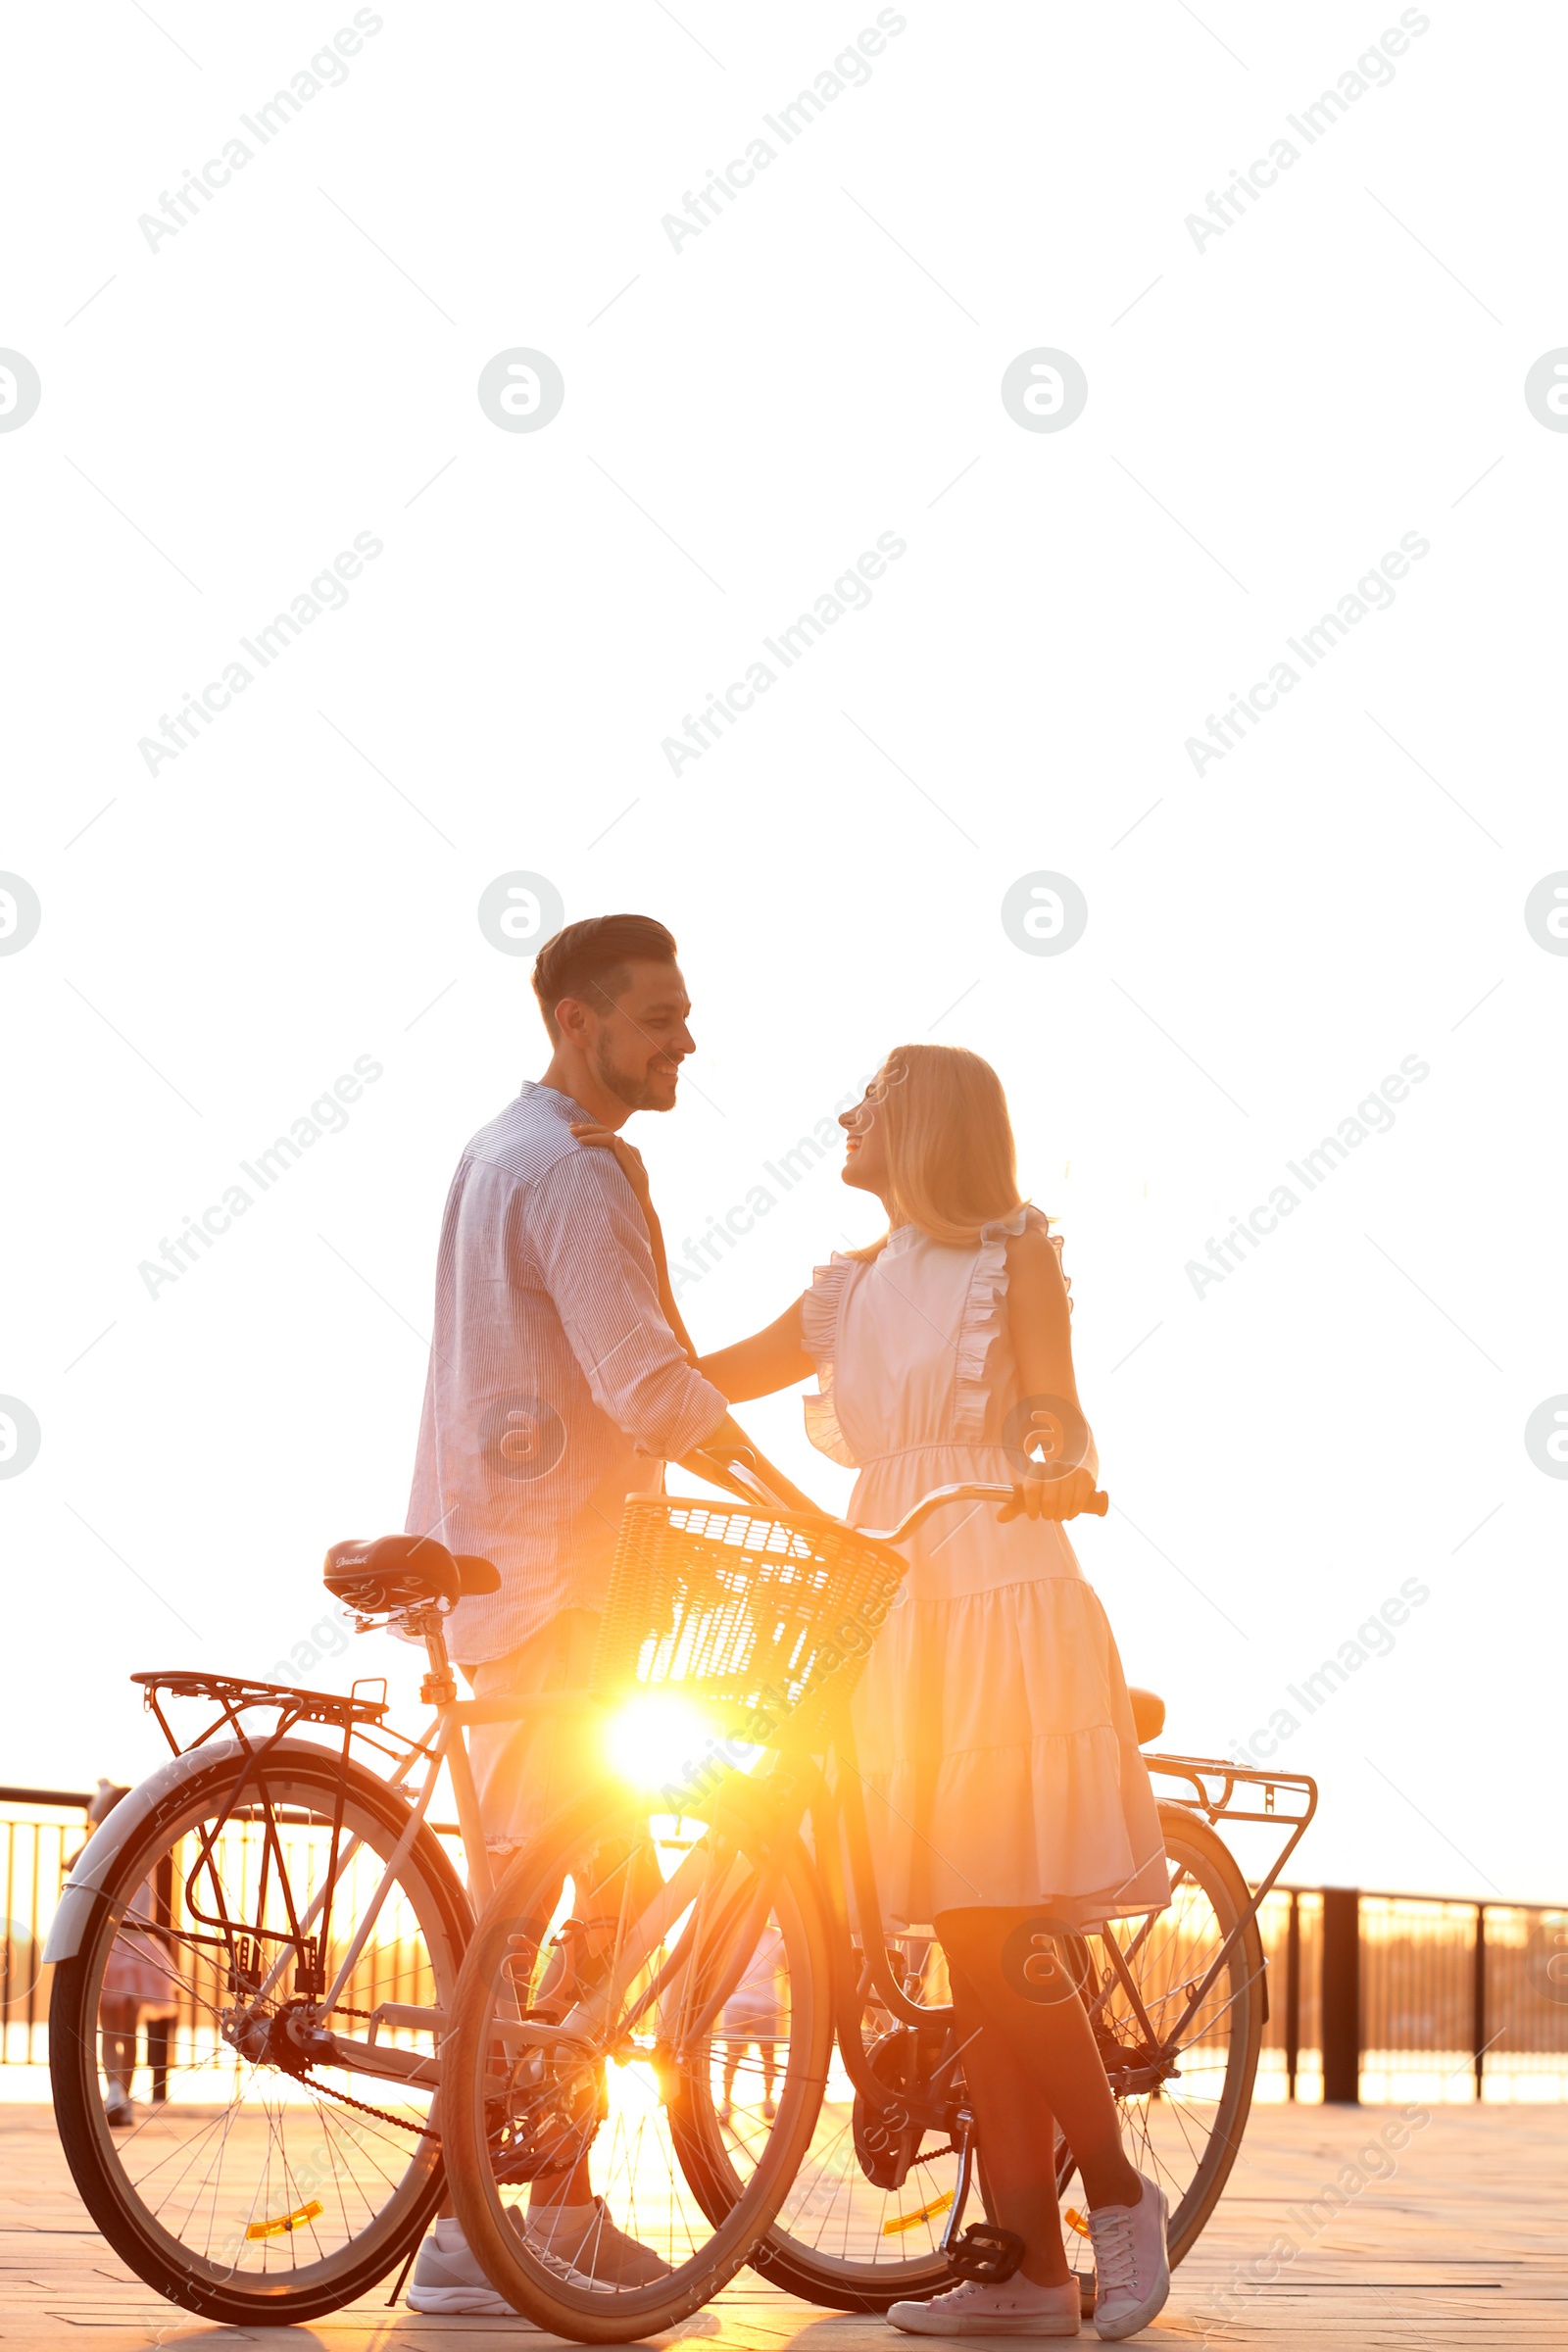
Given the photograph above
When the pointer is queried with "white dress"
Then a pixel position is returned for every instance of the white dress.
(993, 1730)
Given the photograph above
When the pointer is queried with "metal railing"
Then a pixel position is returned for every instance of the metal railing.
(1371, 1995)
(36, 1852)
(1402, 1997)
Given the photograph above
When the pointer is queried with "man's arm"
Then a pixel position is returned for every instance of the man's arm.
(596, 1255)
(729, 1438)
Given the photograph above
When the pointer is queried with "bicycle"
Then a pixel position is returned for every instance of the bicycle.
(300, 1917)
(590, 2004)
(306, 1928)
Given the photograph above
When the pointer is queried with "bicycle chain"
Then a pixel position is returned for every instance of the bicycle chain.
(383, 2114)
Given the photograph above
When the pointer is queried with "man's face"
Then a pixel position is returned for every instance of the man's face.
(637, 1042)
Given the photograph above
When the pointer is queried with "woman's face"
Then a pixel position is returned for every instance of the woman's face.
(865, 1155)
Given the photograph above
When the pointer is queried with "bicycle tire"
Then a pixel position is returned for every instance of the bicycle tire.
(518, 1919)
(299, 1778)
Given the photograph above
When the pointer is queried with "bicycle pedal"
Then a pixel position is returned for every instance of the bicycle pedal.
(985, 2253)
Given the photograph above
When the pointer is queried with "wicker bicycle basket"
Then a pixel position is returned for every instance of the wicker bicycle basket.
(754, 1613)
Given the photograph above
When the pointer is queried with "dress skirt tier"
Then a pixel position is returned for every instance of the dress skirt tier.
(994, 1733)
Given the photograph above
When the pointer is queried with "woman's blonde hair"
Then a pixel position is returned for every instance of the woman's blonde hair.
(951, 1158)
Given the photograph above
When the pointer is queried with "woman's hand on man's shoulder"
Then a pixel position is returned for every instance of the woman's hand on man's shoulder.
(627, 1156)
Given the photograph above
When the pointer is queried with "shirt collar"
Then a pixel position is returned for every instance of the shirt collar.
(549, 1097)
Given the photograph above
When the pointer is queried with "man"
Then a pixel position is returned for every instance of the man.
(560, 1380)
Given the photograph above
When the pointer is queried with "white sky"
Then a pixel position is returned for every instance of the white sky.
(1267, 417)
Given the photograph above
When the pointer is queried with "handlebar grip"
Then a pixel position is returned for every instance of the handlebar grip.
(736, 1471)
(1099, 1502)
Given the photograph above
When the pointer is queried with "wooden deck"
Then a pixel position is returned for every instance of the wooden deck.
(1466, 2243)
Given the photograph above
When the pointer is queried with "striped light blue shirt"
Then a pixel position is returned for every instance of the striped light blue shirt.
(556, 1387)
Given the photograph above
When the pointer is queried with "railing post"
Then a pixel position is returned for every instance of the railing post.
(1342, 1995)
(1478, 1995)
(1293, 1994)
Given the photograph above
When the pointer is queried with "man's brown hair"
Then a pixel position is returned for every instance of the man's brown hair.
(588, 961)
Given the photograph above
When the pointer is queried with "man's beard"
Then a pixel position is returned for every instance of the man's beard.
(634, 1088)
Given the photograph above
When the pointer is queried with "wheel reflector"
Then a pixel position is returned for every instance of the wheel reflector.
(912, 2221)
(287, 2221)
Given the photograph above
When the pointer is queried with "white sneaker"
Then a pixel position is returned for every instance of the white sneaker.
(1018, 2307)
(1132, 2265)
(447, 2279)
(586, 2236)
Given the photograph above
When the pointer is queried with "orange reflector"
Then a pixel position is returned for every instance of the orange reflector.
(1076, 2221)
(287, 2222)
(912, 2221)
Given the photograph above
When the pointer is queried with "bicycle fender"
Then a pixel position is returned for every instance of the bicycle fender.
(94, 1864)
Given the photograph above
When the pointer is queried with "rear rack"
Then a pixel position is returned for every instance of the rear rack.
(1199, 1772)
(232, 1693)
(1219, 1804)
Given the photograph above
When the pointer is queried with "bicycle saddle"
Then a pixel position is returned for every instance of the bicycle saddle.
(1148, 1715)
(403, 1572)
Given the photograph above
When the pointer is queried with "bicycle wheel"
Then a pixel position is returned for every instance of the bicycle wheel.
(247, 2191)
(589, 2029)
(1184, 2130)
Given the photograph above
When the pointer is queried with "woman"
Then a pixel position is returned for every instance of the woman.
(1004, 1787)
(753, 2015)
(138, 1981)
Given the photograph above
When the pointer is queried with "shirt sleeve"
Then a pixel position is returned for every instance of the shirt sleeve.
(596, 1260)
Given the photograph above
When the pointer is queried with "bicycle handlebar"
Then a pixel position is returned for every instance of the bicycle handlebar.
(734, 1471)
(966, 1491)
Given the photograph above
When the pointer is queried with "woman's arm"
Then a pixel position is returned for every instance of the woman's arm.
(630, 1162)
(1041, 1346)
(769, 1360)
(667, 1296)
(761, 1355)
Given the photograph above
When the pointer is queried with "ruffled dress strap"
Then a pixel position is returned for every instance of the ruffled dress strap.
(819, 1332)
(983, 1314)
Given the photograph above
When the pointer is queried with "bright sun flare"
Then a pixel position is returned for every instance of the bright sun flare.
(658, 1738)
